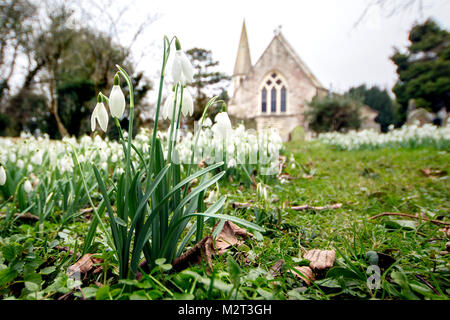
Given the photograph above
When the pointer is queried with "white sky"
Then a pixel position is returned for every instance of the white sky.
(321, 31)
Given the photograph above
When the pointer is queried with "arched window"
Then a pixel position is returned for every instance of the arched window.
(273, 98)
(264, 100)
(276, 85)
(283, 99)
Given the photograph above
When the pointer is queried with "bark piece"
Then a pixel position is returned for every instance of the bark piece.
(306, 275)
(320, 259)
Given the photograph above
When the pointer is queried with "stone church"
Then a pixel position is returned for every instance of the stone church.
(274, 91)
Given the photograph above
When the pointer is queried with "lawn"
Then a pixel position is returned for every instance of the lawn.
(386, 257)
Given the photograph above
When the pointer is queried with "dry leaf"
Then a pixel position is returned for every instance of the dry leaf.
(446, 230)
(203, 249)
(306, 275)
(320, 259)
(276, 268)
(227, 238)
(84, 265)
(433, 172)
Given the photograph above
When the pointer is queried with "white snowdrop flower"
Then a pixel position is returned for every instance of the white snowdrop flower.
(37, 158)
(114, 158)
(12, 157)
(212, 197)
(187, 103)
(29, 168)
(223, 124)
(116, 99)
(207, 122)
(99, 114)
(231, 163)
(20, 163)
(2, 176)
(182, 70)
(167, 110)
(104, 166)
(27, 186)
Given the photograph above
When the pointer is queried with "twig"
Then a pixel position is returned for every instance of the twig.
(427, 284)
(24, 216)
(408, 216)
(236, 205)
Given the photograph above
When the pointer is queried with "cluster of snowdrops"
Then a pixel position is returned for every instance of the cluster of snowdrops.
(153, 188)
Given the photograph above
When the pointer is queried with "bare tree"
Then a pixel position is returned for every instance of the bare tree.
(392, 7)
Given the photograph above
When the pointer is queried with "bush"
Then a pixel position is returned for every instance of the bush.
(336, 113)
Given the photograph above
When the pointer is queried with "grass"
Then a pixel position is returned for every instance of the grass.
(366, 182)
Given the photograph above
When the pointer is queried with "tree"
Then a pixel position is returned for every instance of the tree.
(335, 113)
(378, 100)
(207, 81)
(423, 71)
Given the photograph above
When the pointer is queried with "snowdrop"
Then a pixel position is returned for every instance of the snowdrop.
(116, 99)
(2, 176)
(27, 186)
(223, 124)
(99, 115)
(182, 70)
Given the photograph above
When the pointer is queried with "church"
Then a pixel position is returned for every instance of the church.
(274, 92)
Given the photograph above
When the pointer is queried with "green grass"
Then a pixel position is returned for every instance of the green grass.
(366, 183)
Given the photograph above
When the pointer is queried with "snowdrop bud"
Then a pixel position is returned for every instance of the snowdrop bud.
(2, 176)
(116, 99)
(27, 186)
(99, 114)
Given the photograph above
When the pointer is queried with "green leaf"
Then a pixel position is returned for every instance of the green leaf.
(47, 270)
(234, 270)
(31, 286)
(102, 293)
(121, 222)
(7, 275)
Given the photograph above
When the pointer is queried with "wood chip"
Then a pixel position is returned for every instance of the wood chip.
(320, 259)
(306, 275)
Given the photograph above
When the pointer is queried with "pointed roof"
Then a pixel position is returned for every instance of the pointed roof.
(243, 61)
(281, 39)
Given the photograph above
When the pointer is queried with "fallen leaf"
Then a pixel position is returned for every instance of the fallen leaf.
(445, 230)
(276, 268)
(202, 249)
(84, 265)
(228, 237)
(433, 172)
(306, 274)
(320, 259)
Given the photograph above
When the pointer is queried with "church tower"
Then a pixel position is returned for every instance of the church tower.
(243, 61)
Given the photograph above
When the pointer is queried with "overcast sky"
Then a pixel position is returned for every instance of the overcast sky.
(321, 31)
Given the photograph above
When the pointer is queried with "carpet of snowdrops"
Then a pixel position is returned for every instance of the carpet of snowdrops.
(408, 136)
(28, 159)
